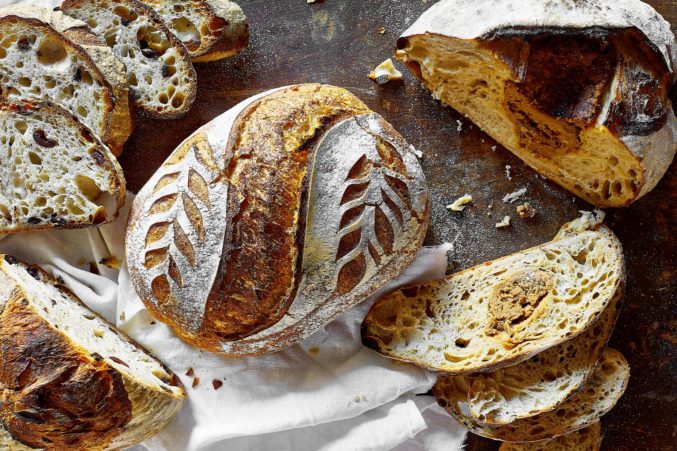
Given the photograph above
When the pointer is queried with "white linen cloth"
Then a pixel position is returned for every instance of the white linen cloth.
(326, 393)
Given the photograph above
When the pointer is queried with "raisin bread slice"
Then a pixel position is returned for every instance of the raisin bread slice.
(210, 29)
(597, 397)
(69, 379)
(587, 439)
(160, 75)
(502, 312)
(56, 172)
(47, 56)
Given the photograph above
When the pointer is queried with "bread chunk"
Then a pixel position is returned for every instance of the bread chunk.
(69, 379)
(57, 173)
(160, 75)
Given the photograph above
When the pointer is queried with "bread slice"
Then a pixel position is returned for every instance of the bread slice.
(597, 397)
(56, 172)
(578, 90)
(69, 379)
(160, 75)
(543, 382)
(210, 29)
(47, 56)
(502, 312)
(587, 439)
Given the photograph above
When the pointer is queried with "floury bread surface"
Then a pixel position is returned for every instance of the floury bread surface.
(576, 89)
(275, 218)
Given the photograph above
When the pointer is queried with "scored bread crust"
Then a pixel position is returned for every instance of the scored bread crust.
(160, 75)
(41, 138)
(299, 204)
(210, 29)
(57, 393)
(586, 439)
(115, 125)
(502, 312)
(609, 139)
(599, 395)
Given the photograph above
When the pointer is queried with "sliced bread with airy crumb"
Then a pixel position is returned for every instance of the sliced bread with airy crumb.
(160, 75)
(587, 439)
(597, 397)
(68, 378)
(47, 56)
(56, 172)
(543, 382)
(505, 311)
(210, 29)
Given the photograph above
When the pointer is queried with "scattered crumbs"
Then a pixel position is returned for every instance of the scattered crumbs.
(122, 316)
(489, 207)
(459, 126)
(111, 262)
(493, 148)
(512, 197)
(507, 171)
(381, 30)
(311, 1)
(460, 203)
(217, 384)
(93, 268)
(482, 139)
(526, 211)
(385, 72)
(314, 351)
(196, 382)
(190, 372)
(416, 152)
(504, 223)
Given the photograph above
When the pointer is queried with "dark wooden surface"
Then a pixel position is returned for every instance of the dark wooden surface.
(338, 42)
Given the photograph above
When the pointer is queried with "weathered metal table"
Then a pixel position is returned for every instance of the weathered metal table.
(338, 42)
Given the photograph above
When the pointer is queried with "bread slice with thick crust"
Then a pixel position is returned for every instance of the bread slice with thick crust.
(586, 439)
(68, 378)
(48, 56)
(160, 75)
(56, 172)
(576, 89)
(210, 29)
(505, 311)
(597, 397)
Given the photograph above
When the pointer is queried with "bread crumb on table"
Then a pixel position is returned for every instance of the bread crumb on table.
(504, 223)
(526, 211)
(385, 72)
(196, 382)
(460, 203)
(512, 197)
(381, 30)
(507, 171)
(217, 384)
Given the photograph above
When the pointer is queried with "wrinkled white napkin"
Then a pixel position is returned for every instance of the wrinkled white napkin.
(328, 392)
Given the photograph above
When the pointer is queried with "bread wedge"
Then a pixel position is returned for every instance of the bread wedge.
(505, 311)
(210, 29)
(69, 379)
(597, 397)
(587, 439)
(47, 56)
(544, 381)
(160, 75)
(56, 172)
(576, 89)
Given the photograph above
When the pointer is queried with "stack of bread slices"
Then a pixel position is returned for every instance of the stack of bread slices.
(70, 81)
(520, 342)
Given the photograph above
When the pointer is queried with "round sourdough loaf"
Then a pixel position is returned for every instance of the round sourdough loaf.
(274, 218)
(576, 89)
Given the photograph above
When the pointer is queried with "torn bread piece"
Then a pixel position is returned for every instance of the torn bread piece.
(577, 90)
(210, 29)
(385, 72)
(160, 75)
(586, 439)
(68, 378)
(501, 312)
(597, 397)
(48, 56)
(460, 203)
(57, 173)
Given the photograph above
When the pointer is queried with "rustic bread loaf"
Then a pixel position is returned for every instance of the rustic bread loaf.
(578, 90)
(47, 56)
(544, 381)
(587, 439)
(275, 218)
(55, 172)
(210, 29)
(160, 75)
(69, 379)
(501, 312)
(597, 397)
